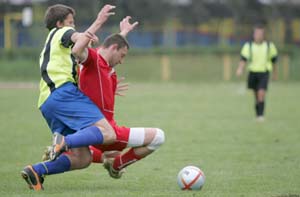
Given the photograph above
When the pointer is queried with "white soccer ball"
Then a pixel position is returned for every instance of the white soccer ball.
(190, 178)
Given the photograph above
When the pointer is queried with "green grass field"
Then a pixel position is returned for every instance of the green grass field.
(210, 125)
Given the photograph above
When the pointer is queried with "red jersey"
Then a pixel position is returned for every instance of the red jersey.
(99, 81)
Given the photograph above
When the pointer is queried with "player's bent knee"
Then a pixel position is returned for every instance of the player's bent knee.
(84, 163)
(80, 159)
(108, 133)
(109, 136)
(158, 140)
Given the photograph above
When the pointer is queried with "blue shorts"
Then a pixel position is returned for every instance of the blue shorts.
(68, 110)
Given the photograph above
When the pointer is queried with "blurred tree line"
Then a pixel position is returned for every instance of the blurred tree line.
(156, 13)
(187, 11)
(223, 18)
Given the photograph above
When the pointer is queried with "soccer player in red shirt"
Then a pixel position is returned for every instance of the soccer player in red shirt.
(98, 80)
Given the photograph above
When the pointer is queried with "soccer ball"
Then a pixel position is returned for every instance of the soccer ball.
(190, 178)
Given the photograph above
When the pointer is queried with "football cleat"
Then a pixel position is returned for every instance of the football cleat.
(110, 155)
(58, 146)
(260, 119)
(108, 165)
(33, 180)
(46, 155)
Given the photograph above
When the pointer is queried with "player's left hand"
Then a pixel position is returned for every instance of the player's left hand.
(93, 38)
(121, 87)
(126, 26)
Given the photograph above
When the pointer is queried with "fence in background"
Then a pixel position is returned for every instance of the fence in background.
(214, 32)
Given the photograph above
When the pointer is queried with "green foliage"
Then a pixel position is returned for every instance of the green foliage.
(208, 125)
(26, 54)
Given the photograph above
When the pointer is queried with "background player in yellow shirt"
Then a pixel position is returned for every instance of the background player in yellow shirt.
(261, 57)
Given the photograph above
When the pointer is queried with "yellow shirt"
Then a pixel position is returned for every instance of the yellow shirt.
(57, 64)
(259, 55)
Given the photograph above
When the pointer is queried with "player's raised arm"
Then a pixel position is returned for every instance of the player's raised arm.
(126, 26)
(82, 40)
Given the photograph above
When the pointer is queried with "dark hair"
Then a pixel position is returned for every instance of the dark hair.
(57, 13)
(259, 26)
(115, 39)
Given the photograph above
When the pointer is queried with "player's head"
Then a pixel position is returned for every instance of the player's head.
(59, 16)
(117, 47)
(259, 33)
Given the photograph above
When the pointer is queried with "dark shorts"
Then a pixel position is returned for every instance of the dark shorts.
(68, 110)
(257, 80)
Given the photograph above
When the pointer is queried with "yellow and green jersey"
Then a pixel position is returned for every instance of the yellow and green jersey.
(259, 55)
(57, 64)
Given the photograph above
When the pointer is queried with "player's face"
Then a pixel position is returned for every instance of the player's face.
(69, 21)
(259, 35)
(118, 56)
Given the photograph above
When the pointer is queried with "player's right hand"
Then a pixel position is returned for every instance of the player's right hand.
(126, 26)
(121, 87)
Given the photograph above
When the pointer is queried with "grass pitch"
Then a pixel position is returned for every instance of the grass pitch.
(208, 125)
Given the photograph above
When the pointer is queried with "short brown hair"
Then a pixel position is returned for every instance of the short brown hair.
(116, 39)
(259, 26)
(57, 13)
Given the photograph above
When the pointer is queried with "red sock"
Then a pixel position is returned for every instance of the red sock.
(125, 159)
(96, 154)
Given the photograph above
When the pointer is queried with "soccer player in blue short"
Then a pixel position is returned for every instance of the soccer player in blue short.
(73, 118)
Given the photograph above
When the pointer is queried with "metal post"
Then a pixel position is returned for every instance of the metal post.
(7, 28)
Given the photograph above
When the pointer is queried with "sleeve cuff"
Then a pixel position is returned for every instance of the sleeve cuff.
(243, 58)
(66, 40)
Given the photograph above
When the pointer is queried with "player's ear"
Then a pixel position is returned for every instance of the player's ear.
(59, 24)
(114, 46)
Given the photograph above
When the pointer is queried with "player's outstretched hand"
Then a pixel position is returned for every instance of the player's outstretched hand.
(121, 87)
(93, 38)
(126, 26)
(239, 72)
(105, 13)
